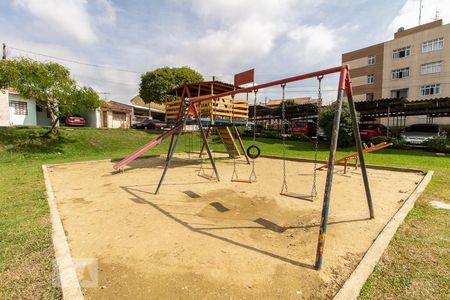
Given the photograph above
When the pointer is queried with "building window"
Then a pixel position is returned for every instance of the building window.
(400, 73)
(402, 52)
(371, 60)
(433, 45)
(431, 89)
(401, 93)
(434, 67)
(369, 97)
(119, 116)
(370, 79)
(20, 107)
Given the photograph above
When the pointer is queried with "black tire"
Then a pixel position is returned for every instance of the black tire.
(251, 155)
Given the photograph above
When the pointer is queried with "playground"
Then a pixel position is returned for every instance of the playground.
(170, 225)
(206, 239)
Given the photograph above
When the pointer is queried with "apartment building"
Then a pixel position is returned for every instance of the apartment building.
(414, 65)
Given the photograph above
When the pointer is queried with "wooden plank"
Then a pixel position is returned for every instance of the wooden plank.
(298, 196)
(243, 180)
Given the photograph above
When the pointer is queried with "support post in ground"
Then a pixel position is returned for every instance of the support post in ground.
(172, 151)
(330, 170)
(359, 146)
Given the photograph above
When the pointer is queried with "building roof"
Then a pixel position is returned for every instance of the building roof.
(138, 101)
(11, 90)
(131, 106)
(116, 106)
(404, 32)
(437, 107)
(204, 88)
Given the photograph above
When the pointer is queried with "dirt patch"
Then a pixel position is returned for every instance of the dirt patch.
(199, 239)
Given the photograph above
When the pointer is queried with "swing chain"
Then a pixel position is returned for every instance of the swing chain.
(316, 144)
(234, 175)
(284, 187)
(253, 173)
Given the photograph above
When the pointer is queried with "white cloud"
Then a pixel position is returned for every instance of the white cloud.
(106, 13)
(241, 34)
(409, 14)
(311, 41)
(69, 18)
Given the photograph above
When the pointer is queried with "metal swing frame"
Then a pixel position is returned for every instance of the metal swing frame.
(344, 87)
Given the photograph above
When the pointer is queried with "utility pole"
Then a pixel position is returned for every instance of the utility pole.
(4, 51)
(420, 12)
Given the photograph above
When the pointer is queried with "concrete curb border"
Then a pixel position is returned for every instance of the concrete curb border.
(353, 285)
(350, 290)
(66, 270)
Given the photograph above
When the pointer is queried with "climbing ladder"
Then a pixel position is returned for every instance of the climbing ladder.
(228, 141)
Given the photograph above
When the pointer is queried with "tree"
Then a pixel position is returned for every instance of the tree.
(155, 84)
(50, 85)
(345, 128)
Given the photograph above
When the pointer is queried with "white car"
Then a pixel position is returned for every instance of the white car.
(417, 134)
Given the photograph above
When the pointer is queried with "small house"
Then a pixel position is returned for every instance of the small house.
(18, 111)
(116, 115)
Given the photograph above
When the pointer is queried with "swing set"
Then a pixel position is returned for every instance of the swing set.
(189, 110)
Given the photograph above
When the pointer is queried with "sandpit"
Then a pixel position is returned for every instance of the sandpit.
(200, 239)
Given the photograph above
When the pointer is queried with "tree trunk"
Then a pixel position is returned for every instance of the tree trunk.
(54, 128)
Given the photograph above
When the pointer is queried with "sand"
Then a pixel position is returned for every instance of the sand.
(200, 239)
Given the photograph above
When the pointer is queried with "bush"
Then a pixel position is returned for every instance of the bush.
(299, 137)
(271, 134)
(345, 127)
(438, 144)
(396, 143)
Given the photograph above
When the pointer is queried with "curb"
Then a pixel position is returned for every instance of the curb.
(353, 285)
(66, 271)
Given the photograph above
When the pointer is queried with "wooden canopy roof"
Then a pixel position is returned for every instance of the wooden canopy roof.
(204, 88)
(436, 107)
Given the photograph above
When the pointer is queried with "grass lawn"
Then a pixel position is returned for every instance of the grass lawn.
(415, 266)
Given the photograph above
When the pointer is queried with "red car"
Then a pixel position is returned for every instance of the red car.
(75, 121)
(306, 128)
(368, 131)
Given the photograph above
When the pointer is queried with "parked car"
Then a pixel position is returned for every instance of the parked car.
(75, 120)
(416, 134)
(368, 131)
(306, 128)
(150, 124)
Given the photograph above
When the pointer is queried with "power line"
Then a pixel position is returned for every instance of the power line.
(104, 80)
(76, 62)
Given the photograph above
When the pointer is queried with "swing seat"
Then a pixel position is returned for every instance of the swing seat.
(297, 196)
(243, 180)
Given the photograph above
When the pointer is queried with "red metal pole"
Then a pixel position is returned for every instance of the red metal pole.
(330, 170)
(277, 82)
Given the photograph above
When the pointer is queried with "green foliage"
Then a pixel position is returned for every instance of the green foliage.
(271, 134)
(49, 84)
(299, 137)
(345, 127)
(438, 144)
(154, 85)
(396, 143)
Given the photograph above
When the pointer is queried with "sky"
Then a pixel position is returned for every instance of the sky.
(108, 44)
